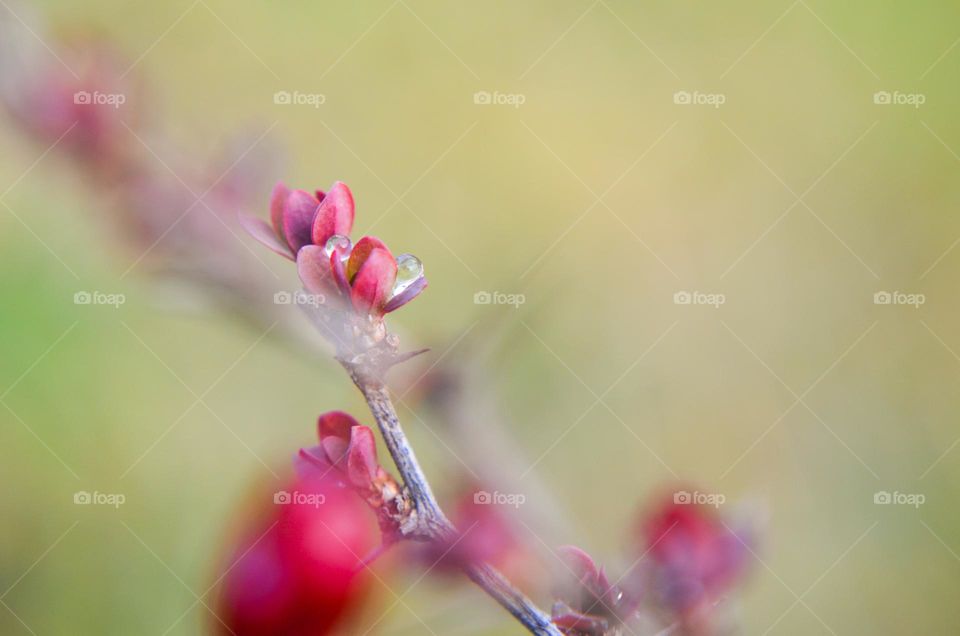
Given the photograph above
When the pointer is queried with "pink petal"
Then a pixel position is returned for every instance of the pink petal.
(335, 214)
(313, 266)
(362, 464)
(412, 291)
(277, 201)
(334, 431)
(373, 284)
(298, 215)
(258, 229)
(360, 253)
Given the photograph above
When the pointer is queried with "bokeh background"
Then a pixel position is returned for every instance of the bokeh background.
(597, 199)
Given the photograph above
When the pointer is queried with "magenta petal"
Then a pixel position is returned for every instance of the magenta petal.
(334, 429)
(277, 201)
(412, 291)
(335, 214)
(362, 464)
(373, 284)
(313, 266)
(298, 214)
(360, 252)
(258, 229)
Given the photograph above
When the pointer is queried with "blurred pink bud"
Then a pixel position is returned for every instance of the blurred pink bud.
(85, 112)
(486, 533)
(696, 557)
(295, 571)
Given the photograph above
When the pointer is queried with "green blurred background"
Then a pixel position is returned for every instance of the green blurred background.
(598, 199)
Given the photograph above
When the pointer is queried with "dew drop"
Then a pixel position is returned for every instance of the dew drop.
(338, 241)
(409, 269)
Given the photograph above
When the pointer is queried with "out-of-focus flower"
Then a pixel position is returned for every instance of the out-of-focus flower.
(486, 533)
(296, 572)
(695, 558)
(313, 230)
(85, 108)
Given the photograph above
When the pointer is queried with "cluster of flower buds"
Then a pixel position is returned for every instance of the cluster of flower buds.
(688, 559)
(364, 280)
(298, 568)
(347, 453)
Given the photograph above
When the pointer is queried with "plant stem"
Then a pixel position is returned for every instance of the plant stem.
(431, 523)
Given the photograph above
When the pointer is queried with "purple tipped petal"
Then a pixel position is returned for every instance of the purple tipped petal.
(258, 229)
(313, 265)
(412, 291)
(298, 214)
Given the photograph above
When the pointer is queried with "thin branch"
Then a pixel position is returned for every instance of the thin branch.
(431, 523)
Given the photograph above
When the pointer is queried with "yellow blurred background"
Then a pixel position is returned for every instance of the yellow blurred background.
(741, 153)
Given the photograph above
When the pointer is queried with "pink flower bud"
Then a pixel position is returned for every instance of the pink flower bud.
(364, 279)
(696, 558)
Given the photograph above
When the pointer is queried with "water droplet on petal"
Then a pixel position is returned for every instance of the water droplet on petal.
(338, 241)
(409, 269)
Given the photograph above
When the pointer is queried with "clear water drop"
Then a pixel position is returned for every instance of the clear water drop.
(409, 269)
(338, 241)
